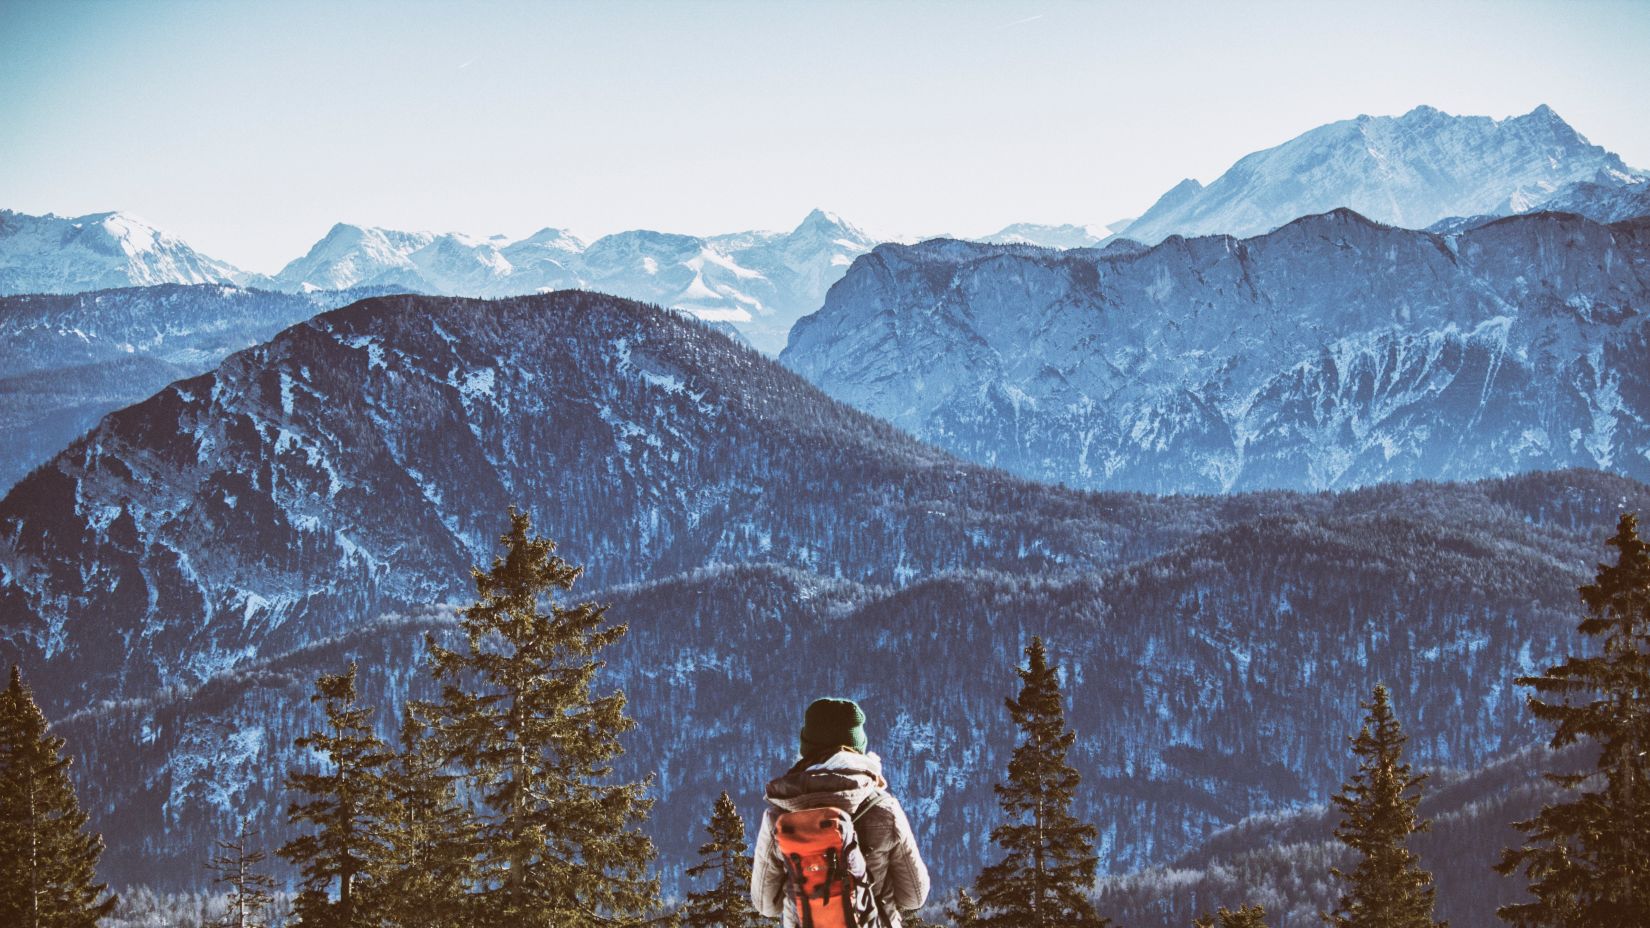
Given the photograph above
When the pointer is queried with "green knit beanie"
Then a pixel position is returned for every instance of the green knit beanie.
(830, 723)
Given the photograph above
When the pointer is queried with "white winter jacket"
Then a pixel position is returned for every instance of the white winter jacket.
(899, 879)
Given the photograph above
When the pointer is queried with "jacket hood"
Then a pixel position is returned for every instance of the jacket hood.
(845, 780)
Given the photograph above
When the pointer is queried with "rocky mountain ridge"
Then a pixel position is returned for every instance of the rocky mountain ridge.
(1334, 352)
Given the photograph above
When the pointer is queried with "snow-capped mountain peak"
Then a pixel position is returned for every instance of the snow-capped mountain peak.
(58, 254)
(1410, 171)
(759, 281)
(820, 221)
(550, 238)
(350, 255)
(134, 235)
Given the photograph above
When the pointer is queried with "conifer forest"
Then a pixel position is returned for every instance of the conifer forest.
(1206, 483)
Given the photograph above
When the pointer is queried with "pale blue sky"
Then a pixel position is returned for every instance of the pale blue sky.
(249, 128)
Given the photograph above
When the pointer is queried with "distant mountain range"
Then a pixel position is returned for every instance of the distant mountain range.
(1413, 171)
(759, 282)
(751, 284)
(1067, 236)
(53, 254)
(172, 581)
(1409, 171)
(1335, 352)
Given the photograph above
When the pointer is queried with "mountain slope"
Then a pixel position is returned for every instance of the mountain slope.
(66, 360)
(1607, 202)
(1411, 171)
(1602, 202)
(1333, 352)
(1282, 861)
(56, 254)
(357, 464)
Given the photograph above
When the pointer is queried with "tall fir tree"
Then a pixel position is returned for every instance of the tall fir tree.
(1049, 862)
(1587, 858)
(727, 903)
(48, 857)
(561, 845)
(423, 874)
(1387, 888)
(344, 805)
(251, 890)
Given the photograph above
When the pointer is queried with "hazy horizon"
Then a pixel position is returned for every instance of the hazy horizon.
(914, 120)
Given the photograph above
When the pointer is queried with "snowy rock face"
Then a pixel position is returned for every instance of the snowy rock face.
(759, 282)
(1334, 352)
(1411, 171)
(65, 361)
(186, 569)
(53, 254)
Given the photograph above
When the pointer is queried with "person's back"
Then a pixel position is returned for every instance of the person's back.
(836, 771)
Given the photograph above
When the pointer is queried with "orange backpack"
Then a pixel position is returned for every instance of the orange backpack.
(825, 869)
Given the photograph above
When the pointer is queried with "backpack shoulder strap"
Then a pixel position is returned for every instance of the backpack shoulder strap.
(871, 802)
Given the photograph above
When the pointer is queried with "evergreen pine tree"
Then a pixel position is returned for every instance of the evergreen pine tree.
(344, 806)
(1245, 917)
(727, 903)
(560, 846)
(963, 912)
(1049, 861)
(1588, 858)
(423, 873)
(48, 859)
(1387, 888)
(250, 891)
